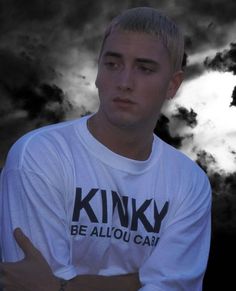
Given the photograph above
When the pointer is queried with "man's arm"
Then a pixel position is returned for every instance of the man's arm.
(129, 282)
(33, 272)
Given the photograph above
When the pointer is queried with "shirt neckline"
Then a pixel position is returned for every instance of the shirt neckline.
(112, 159)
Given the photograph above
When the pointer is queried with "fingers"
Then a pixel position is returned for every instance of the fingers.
(24, 243)
(6, 285)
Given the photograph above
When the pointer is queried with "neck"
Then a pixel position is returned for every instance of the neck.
(130, 143)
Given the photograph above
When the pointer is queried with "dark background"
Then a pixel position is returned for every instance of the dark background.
(48, 53)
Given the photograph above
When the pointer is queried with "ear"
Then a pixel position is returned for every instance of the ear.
(96, 81)
(97, 77)
(174, 84)
(98, 73)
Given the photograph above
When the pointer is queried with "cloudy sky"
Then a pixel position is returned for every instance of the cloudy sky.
(48, 55)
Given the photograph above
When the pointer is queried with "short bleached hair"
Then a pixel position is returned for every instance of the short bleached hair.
(151, 21)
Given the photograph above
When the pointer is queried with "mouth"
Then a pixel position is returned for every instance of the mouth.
(123, 101)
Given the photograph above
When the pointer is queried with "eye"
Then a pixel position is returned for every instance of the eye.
(146, 70)
(111, 65)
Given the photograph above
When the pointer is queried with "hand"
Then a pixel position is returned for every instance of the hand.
(30, 274)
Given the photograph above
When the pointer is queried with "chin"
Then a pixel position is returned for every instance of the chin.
(123, 120)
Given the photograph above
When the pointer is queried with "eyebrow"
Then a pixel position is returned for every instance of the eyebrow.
(112, 54)
(139, 60)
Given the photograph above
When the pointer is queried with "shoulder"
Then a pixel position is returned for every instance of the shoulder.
(38, 143)
(184, 173)
(179, 162)
(188, 183)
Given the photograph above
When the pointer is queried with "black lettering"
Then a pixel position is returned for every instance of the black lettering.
(118, 233)
(138, 214)
(126, 237)
(122, 206)
(100, 232)
(74, 229)
(94, 232)
(153, 240)
(84, 204)
(146, 241)
(138, 239)
(159, 216)
(157, 239)
(109, 230)
(82, 230)
(78, 229)
(104, 206)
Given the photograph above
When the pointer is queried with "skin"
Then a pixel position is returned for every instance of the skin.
(134, 79)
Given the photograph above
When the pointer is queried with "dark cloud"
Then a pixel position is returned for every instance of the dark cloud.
(15, 14)
(223, 61)
(203, 21)
(43, 101)
(223, 230)
(205, 160)
(184, 62)
(224, 201)
(26, 84)
(206, 23)
(81, 12)
(224, 189)
(34, 37)
(18, 69)
(163, 131)
(218, 11)
(193, 71)
(233, 103)
(57, 24)
(223, 244)
(27, 10)
(223, 193)
(188, 116)
(62, 22)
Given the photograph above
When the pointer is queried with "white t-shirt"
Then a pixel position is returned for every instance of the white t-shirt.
(92, 211)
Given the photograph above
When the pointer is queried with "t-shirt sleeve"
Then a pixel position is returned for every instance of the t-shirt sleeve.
(179, 261)
(31, 202)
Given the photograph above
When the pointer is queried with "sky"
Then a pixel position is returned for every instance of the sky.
(48, 61)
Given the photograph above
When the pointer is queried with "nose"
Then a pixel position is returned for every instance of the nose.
(126, 80)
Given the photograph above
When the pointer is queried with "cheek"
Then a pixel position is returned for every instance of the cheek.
(159, 89)
(153, 94)
(102, 82)
(152, 90)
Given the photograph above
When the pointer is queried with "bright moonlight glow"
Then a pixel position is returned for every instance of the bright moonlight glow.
(210, 97)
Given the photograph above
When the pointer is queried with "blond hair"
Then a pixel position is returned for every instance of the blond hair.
(151, 21)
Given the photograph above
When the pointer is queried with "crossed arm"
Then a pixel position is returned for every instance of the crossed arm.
(33, 272)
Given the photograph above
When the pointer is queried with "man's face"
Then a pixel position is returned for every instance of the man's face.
(134, 79)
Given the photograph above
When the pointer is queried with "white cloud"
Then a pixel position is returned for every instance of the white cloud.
(210, 96)
(78, 73)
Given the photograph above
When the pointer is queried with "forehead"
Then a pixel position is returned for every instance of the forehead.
(135, 44)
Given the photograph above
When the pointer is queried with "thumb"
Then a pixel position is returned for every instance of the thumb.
(24, 243)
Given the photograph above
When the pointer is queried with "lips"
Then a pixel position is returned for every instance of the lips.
(123, 101)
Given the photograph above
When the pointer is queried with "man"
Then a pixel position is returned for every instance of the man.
(108, 204)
